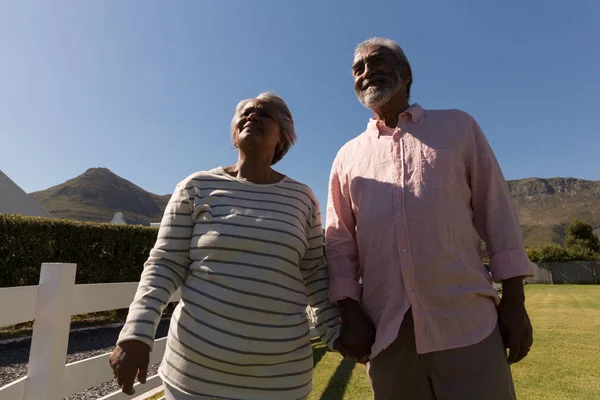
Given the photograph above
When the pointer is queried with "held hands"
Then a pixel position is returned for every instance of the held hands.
(128, 360)
(357, 333)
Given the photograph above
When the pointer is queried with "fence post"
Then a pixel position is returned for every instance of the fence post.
(47, 357)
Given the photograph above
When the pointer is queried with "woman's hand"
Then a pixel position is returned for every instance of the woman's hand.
(128, 360)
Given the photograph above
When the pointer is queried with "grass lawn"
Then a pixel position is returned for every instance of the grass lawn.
(563, 364)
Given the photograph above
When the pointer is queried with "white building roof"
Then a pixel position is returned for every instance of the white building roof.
(14, 200)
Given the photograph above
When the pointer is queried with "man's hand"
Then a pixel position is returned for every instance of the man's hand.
(127, 360)
(357, 333)
(514, 323)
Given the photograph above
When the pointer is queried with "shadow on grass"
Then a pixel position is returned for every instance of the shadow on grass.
(318, 352)
(336, 387)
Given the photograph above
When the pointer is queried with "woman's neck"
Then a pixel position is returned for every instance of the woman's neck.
(255, 170)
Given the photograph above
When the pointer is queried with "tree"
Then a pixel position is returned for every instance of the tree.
(581, 235)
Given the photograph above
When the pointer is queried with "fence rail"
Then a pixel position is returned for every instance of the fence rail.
(24, 297)
(50, 305)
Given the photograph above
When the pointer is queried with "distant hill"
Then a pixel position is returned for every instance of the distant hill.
(544, 206)
(97, 194)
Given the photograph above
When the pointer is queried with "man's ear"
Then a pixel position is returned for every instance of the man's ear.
(407, 74)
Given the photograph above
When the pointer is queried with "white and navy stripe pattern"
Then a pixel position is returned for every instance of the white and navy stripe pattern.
(249, 259)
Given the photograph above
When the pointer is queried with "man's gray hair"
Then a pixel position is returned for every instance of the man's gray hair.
(395, 48)
(284, 118)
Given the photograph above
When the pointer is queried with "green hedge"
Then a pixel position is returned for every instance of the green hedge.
(103, 252)
(116, 253)
(558, 253)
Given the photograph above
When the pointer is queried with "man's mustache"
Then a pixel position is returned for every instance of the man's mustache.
(379, 78)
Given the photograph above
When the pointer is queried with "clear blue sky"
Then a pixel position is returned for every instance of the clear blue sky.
(123, 85)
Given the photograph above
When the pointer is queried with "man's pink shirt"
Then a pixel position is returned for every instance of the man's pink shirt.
(405, 209)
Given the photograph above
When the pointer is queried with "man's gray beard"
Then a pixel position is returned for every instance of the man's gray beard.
(374, 96)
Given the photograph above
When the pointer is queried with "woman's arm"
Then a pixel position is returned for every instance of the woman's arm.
(316, 278)
(164, 272)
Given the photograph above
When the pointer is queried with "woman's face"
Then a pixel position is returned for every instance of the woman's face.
(257, 125)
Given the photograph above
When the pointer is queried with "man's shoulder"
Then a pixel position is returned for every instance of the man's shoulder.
(450, 114)
(457, 125)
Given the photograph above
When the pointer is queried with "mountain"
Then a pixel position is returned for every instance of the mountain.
(97, 194)
(544, 206)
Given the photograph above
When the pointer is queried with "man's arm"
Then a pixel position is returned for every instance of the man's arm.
(340, 238)
(494, 214)
(497, 224)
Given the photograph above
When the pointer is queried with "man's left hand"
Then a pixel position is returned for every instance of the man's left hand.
(514, 323)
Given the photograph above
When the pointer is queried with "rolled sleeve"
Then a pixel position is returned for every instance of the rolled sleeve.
(509, 264)
(344, 288)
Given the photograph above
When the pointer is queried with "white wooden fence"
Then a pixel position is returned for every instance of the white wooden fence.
(51, 305)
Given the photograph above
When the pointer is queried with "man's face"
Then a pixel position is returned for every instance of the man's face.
(377, 77)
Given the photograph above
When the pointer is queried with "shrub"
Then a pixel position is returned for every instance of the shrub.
(103, 252)
(534, 254)
(581, 244)
(581, 235)
(578, 252)
(549, 253)
(558, 253)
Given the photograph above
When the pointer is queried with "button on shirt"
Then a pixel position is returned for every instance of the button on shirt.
(405, 209)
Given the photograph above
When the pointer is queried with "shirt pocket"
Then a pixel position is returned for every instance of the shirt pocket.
(438, 168)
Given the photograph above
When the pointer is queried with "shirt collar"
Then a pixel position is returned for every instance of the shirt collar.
(412, 114)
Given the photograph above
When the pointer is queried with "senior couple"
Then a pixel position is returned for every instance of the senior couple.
(408, 200)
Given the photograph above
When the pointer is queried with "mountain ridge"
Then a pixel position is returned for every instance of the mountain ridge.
(544, 205)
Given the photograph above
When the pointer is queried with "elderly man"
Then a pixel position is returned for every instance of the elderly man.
(408, 199)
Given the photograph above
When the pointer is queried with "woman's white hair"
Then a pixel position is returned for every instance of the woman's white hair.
(284, 118)
(395, 48)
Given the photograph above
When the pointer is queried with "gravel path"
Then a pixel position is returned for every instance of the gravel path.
(82, 345)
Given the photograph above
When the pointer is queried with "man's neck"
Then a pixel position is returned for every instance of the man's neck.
(389, 112)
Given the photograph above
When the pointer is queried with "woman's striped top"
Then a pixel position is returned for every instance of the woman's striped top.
(249, 259)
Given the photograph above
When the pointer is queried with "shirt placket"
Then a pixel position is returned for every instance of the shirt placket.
(402, 239)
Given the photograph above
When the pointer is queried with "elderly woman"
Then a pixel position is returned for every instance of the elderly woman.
(244, 244)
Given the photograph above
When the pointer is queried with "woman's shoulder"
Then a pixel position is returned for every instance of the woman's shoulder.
(294, 185)
(212, 175)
